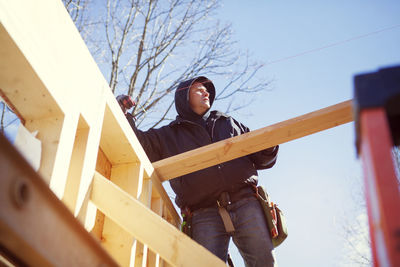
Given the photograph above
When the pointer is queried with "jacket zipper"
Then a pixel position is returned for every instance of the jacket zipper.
(219, 166)
(193, 123)
(212, 130)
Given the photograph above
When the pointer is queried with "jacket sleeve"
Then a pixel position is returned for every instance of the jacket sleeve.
(266, 158)
(263, 159)
(149, 140)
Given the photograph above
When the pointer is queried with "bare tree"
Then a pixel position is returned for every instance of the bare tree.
(145, 47)
(355, 232)
(77, 10)
(357, 242)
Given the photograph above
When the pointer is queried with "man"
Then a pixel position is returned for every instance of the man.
(220, 196)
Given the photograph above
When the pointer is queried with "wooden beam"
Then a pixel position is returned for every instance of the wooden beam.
(63, 156)
(75, 169)
(141, 250)
(153, 259)
(19, 82)
(254, 141)
(149, 228)
(103, 166)
(36, 228)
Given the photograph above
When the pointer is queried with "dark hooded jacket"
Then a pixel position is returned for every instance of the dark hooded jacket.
(189, 131)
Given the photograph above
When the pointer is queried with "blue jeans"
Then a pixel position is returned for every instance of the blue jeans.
(251, 236)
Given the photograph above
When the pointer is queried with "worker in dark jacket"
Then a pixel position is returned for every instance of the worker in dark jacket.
(220, 198)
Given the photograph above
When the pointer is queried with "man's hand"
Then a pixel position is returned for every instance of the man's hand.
(125, 102)
(270, 151)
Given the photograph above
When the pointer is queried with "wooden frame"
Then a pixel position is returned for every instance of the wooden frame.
(76, 118)
(91, 159)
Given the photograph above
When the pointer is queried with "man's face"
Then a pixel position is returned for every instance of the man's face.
(198, 98)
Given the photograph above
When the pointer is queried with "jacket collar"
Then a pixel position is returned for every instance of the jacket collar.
(214, 115)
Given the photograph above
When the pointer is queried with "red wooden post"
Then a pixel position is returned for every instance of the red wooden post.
(382, 187)
(377, 108)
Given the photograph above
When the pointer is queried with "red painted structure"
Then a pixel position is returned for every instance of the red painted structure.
(377, 121)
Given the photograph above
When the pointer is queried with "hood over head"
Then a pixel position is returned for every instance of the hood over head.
(182, 97)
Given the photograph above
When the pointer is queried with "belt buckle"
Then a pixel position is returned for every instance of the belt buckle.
(224, 200)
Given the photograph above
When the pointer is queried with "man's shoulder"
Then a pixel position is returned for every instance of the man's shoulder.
(218, 114)
(178, 122)
(215, 114)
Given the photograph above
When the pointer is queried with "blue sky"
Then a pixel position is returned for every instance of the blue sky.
(317, 180)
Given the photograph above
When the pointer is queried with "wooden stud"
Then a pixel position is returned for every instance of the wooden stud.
(142, 249)
(153, 258)
(103, 166)
(89, 162)
(64, 153)
(173, 216)
(75, 168)
(116, 240)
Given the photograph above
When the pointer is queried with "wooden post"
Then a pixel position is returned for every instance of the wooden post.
(382, 187)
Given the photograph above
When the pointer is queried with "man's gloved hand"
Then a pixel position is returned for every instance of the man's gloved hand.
(270, 151)
(125, 102)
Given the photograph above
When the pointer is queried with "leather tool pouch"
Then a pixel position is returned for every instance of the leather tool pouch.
(276, 222)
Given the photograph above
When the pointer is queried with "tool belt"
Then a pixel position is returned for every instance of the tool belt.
(275, 220)
(225, 199)
(228, 196)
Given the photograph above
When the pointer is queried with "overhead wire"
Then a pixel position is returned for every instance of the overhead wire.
(331, 45)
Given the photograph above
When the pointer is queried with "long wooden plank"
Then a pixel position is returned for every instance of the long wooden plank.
(36, 228)
(254, 141)
(149, 228)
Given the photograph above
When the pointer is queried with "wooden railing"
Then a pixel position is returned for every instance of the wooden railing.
(91, 159)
